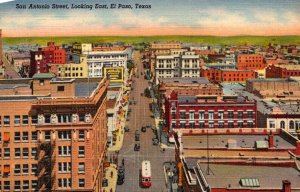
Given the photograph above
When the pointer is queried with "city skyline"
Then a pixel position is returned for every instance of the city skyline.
(217, 18)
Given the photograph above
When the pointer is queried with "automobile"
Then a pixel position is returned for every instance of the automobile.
(137, 138)
(137, 133)
(121, 172)
(120, 181)
(155, 141)
(104, 182)
(143, 129)
(137, 147)
(149, 126)
(126, 129)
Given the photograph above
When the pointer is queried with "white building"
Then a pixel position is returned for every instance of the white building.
(184, 64)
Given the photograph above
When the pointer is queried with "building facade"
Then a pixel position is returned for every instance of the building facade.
(53, 143)
(190, 112)
(40, 59)
(250, 62)
(219, 75)
(282, 71)
(170, 66)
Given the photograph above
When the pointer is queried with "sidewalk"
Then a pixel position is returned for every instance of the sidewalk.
(111, 174)
(164, 143)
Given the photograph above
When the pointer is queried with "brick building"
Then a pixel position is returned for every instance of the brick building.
(53, 135)
(278, 87)
(219, 75)
(282, 71)
(208, 111)
(1, 53)
(40, 59)
(235, 160)
(250, 62)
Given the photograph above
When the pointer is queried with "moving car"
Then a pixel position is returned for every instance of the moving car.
(143, 129)
(126, 129)
(155, 141)
(137, 147)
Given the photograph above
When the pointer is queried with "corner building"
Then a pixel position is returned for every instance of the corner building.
(53, 135)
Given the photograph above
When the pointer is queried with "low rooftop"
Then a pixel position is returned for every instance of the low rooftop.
(179, 80)
(224, 176)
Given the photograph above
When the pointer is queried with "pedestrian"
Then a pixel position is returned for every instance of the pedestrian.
(111, 174)
(123, 162)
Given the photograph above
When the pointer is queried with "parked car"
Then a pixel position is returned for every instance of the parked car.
(155, 141)
(120, 181)
(126, 129)
(104, 182)
(137, 147)
(121, 172)
(143, 129)
(137, 137)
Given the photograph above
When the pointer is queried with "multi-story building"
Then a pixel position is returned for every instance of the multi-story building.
(183, 65)
(53, 134)
(71, 70)
(1, 47)
(208, 111)
(277, 88)
(40, 59)
(250, 62)
(156, 49)
(221, 75)
(186, 86)
(282, 71)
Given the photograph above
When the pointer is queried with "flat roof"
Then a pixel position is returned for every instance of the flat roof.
(221, 141)
(222, 176)
(272, 80)
(189, 80)
(85, 89)
(12, 86)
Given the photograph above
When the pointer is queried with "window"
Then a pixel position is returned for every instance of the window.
(182, 115)
(81, 182)
(34, 184)
(240, 114)
(34, 168)
(25, 184)
(211, 124)
(81, 117)
(81, 167)
(25, 169)
(292, 125)
(250, 114)
(17, 136)
(182, 124)
(60, 88)
(17, 120)
(282, 125)
(211, 115)
(34, 119)
(64, 183)
(25, 152)
(25, 137)
(6, 120)
(81, 134)
(272, 124)
(201, 115)
(173, 115)
(41, 81)
(34, 136)
(221, 115)
(64, 135)
(202, 125)
(240, 124)
(230, 125)
(221, 125)
(47, 135)
(7, 185)
(297, 125)
(81, 151)
(25, 120)
(17, 185)
(64, 150)
(17, 152)
(249, 124)
(33, 152)
(192, 125)
(17, 169)
(191, 115)
(173, 124)
(64, 118)
(6, 153)
(47, 118)
(64, 167)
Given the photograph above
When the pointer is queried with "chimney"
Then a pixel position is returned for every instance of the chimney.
(286, 186)
(271, 140)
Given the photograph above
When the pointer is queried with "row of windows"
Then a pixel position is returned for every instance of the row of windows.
(211, 115)
(212, 125)
(73, 68)
(292, 124)
(73, 74)
(66, 167)
(17, 185)
(19, 153)
(67, 183)
(67, 151)
(62, 118)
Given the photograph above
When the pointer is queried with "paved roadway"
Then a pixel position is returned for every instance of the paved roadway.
(139, 116)
(10, 72)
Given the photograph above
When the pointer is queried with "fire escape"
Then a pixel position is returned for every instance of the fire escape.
(46, 165)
